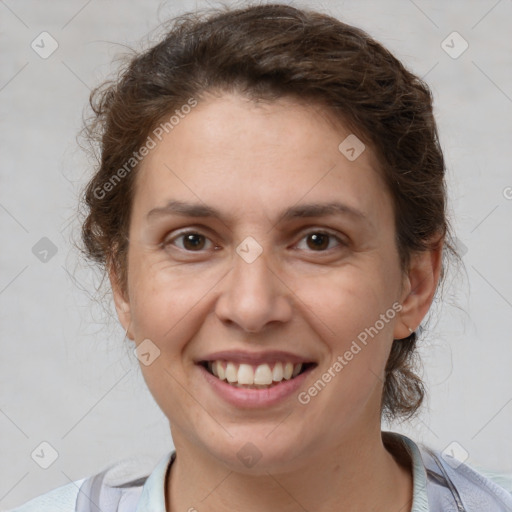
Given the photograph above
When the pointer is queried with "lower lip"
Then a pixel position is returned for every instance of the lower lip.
(252, 398)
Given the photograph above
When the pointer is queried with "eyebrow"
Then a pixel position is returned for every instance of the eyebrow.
(184, 209)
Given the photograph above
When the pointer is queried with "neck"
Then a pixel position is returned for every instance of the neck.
(363, 477)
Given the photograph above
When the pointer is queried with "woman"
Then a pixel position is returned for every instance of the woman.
(270, 210)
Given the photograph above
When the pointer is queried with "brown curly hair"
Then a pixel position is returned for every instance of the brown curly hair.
(268, 52)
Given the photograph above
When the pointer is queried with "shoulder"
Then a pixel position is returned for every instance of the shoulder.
(445, 483)
(117, 488)
(453, 480)
(61, 499)
(504, 480)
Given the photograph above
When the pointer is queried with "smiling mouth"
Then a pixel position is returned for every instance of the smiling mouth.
(251, 376)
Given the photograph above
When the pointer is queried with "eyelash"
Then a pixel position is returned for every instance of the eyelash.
(170, 241)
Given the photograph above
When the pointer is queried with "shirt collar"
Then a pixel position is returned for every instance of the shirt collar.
(152, 498)
(419, 473)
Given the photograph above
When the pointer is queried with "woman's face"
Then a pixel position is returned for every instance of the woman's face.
(230, 264)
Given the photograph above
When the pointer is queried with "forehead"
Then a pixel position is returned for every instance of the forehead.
(231, 152)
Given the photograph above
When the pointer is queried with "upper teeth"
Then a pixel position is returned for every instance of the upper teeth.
(248, 374)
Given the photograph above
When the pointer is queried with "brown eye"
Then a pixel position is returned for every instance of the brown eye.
(190, 241)
(319, 241)
(193, 241)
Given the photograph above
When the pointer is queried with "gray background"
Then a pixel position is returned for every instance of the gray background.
(66, 375)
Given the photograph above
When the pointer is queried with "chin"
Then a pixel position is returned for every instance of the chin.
(254, 451)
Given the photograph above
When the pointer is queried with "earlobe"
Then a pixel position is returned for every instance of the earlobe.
(419, 289)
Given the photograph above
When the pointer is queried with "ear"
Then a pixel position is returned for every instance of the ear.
(419, 288)
(121, 301)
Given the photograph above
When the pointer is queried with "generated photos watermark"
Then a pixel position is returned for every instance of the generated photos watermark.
(137, 156)
(343, 360)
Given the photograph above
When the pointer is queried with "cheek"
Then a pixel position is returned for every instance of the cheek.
(348, 300)
(164, 302)
(353, 315)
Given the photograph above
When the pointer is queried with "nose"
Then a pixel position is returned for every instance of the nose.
(253, 295)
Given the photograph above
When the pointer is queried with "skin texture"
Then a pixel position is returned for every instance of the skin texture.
(252, 161)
